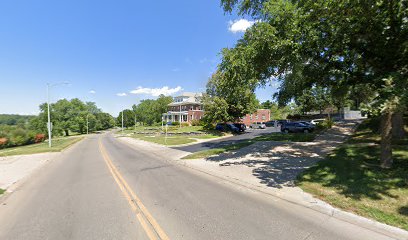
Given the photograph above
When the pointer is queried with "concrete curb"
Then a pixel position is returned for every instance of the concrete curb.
(318, 206)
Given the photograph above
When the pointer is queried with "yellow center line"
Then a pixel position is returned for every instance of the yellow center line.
(147, 221)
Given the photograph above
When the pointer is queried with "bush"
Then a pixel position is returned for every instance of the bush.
(175, 123)
(39, 138)
(3, 142)
(326, 124)
(195, 122)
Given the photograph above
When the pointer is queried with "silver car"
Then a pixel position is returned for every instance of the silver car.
(260, 125)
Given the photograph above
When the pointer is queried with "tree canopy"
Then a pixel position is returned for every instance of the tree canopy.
(339, 45)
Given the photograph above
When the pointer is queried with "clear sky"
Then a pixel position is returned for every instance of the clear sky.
(109, 49)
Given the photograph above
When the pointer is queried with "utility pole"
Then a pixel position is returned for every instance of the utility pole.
(135, 121)
(180, 115)
(87, 124)
(49, 116)
(49, 126)
(122, 121)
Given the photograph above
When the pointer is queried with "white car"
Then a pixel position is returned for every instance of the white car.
(260, 125)
(316, 121)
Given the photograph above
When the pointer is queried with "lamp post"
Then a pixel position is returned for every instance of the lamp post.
(48, 110)
(122, 120)
(87, 124)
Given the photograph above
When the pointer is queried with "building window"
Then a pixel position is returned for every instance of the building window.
(256, 117)
(250, 116)
(263, 117)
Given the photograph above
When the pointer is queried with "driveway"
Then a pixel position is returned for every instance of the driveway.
(249, 134)
(276, 164)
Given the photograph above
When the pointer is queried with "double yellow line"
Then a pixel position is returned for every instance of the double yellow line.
(149, 224)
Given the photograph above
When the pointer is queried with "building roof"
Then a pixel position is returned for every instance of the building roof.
(183, 103)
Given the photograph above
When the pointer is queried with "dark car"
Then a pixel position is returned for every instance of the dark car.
(296, 127)
(240, 126)
(270, 123)
(226, 127)
(307, 123)
(282, 122)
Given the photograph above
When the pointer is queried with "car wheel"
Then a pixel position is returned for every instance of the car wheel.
(306, 131)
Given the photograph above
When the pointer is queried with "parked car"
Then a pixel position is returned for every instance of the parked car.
(306, 123)
(226, 127)
(296, 127)
(270, 123)
(316, 121)
(240, 126)
(259, 125)
(281, 122)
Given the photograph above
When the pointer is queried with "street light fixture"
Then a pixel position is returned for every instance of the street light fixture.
(48, 109)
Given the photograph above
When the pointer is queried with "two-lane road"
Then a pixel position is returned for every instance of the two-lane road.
(104, 189)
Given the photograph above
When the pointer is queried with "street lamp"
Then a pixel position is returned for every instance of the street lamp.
(122, 120)
(48, 108)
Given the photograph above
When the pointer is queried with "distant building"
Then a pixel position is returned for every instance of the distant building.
(261, 115)
(185, 108)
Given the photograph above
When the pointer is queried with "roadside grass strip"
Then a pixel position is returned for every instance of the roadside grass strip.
(216, 151)
(2, 191)
(351, 179)
(58, 145)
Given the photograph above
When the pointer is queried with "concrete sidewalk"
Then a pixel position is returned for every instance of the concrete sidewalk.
(15, 168)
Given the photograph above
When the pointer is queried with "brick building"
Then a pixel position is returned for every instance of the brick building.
(185, 108)
(261, 115)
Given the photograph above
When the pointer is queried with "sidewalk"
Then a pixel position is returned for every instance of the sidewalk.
(15, 168)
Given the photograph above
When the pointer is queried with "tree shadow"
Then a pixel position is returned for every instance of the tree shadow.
(403, 210)
(355, 172)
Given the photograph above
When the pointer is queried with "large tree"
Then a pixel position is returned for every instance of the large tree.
(334, 44)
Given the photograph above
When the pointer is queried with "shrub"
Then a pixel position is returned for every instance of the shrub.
(195, 122)
(3, 142)
(175, 123)
(39, 138)
(326, 124)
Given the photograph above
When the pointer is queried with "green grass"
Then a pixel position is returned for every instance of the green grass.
(216, 151)
(160, 139)
(287, 137)
(351, 179)
(58, 145)
(2, 191)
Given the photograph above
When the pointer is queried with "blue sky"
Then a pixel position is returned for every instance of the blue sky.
(110, 48)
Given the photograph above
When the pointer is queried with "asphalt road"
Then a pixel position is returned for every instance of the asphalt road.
(104, 189)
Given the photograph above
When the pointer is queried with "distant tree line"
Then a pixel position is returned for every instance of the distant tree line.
(14, 119)
(67, 116)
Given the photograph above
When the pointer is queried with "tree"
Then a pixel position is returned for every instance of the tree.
(335, 44)
(150, 111)
(128, 118)
(71, 115)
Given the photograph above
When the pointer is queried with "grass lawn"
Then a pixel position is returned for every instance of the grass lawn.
(351, 179)
(175, 137)
(216, 151)
(2, 191)
(287, 137)
(160, 139)
(58, 145)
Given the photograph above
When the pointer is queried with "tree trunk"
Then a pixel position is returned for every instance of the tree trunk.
(66, 132)
(398, 131)
(386, 138)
